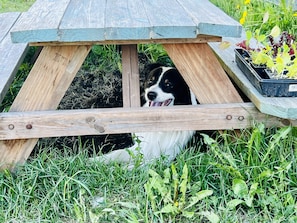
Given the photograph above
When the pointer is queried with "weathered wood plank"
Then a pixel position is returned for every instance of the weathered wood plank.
(41, 22)
(121, 120)
(84, 20)
(91, 20)
(130, 76)
(210, 19)
(126, 20)
(203, 73)
(198, 39)
(283, 107)
(11, 54)
(7, 20)
(169, 20)
(43, 89)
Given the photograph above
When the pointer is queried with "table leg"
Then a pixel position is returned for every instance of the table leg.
(203, 72)
(131, 89)
(43, 89)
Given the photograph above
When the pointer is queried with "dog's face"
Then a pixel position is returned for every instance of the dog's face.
(164, 86)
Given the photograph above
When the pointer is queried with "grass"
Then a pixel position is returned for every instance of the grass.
(15, 5)
(246, 178)
(252, 178)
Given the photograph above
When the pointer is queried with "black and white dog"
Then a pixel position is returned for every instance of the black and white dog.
(164, 86)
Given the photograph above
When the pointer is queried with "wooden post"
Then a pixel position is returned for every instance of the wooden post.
(43, 89)
(203, 73)
(131, 89)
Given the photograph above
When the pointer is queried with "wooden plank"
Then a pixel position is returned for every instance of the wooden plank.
(11, 54)
(198, 39)
(40, 22)
(130, 76)
(203, 73)
(126, 20)
(84, 20)
(284, 107)
(210, 19)
(7, 20)
(43, 89)
(91, 20)
(122, 120)
(169, 20)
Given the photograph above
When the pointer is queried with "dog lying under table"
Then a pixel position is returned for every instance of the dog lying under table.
(164, 86)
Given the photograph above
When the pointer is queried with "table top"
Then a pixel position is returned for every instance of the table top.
(103, 20)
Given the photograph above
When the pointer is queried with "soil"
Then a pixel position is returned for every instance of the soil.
(95, 88)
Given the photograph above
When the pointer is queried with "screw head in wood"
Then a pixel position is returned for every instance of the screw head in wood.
(29, 126)
(241, 118)
(229, 117)
(11, 126)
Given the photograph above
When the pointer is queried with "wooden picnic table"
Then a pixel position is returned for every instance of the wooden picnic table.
(67, 29)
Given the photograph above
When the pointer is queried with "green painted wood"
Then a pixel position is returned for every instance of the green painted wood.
(86, 16)
(41, 22)
(11, 54)
(168, 19)
(283, 107)
(91, 20)
(6, 22)
(126, 20)
(211, 20)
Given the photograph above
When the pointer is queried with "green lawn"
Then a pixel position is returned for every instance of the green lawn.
(15, 5)
(251, 177)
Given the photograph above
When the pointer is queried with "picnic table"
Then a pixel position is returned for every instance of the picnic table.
(67, 29)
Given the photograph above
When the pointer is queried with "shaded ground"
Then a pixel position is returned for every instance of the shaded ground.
(98, 84)
(95, 86)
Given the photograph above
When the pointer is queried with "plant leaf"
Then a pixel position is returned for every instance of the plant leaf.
(212, 217)
(199, 196)
(240, 188)
(169, 209)
(188, 214)
(234, 203)
(275, 32)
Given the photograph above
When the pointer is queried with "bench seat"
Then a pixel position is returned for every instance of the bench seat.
(12, 54)
(283, 107)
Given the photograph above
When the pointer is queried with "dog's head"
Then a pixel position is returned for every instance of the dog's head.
(164, 86)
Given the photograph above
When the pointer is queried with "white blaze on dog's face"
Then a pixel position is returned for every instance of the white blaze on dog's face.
(165, 87)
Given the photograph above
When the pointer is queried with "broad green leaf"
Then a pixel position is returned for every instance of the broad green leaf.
(199, 196)
(169, 209)
(175, 182)
(253, 189)
(212, 217)
(183, 185)
(188, 214)
(234, 203)
(249, 36)
(249, 201)
(275, 32)
(240, 188)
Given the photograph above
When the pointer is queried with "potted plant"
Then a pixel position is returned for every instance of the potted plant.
(270, 62)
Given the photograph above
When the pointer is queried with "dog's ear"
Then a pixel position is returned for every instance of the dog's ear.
(149, 67)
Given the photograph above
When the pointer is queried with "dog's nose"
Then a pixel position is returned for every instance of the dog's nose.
(151, 95)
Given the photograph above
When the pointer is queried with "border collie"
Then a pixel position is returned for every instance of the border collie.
(164, 86)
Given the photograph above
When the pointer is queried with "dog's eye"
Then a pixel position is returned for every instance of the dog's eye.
(168, 83)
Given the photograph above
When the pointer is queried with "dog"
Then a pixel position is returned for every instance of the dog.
(164, 86)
